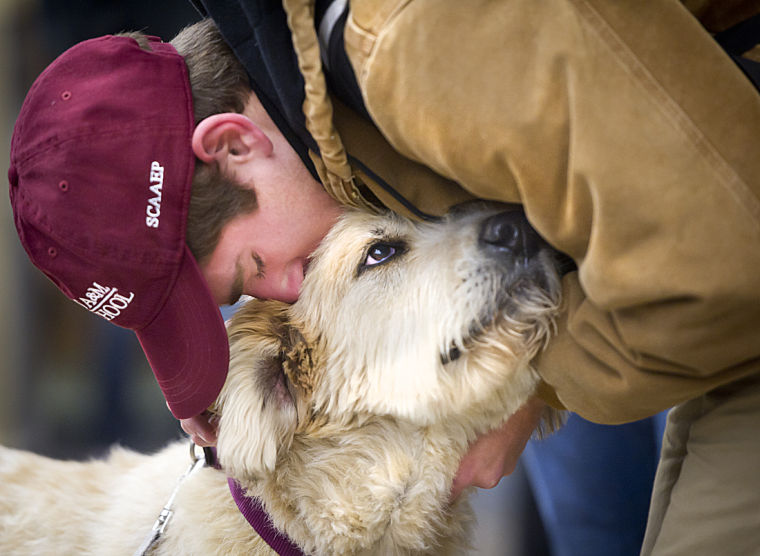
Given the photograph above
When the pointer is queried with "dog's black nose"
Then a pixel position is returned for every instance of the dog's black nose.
(509, 233)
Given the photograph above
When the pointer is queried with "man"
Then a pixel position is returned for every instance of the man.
(655, 281)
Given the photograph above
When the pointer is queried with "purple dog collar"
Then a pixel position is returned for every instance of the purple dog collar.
(259, 519)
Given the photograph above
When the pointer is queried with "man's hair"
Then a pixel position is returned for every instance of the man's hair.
(219, 84)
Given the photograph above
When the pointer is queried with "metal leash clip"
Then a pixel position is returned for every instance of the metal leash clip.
(198, 461)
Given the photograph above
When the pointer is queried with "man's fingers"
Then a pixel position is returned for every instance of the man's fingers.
(201, 429)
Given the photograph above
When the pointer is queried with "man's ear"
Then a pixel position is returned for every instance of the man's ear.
(229, 137)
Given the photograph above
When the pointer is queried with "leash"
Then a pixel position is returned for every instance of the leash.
(198, 461)
(250, 507)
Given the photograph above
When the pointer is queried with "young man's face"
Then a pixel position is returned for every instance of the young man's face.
(263, 253)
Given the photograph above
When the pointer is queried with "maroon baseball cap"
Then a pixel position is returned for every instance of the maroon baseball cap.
(100, 178)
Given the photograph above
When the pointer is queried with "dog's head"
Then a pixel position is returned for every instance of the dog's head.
(423, 322)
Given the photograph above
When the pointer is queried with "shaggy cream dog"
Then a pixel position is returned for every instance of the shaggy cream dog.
(345, 414)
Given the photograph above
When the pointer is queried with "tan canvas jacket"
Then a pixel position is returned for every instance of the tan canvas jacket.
(632, 141)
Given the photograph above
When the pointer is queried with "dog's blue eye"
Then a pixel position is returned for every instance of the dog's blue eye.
(379, 253)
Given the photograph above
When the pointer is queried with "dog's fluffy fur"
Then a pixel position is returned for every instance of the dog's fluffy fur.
(346, 413)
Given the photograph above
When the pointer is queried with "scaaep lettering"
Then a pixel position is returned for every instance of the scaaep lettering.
(153, 210)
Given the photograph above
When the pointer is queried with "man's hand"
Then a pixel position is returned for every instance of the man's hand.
(495, 454)
(201, 428)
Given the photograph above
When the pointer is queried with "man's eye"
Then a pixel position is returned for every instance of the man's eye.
(380, 253)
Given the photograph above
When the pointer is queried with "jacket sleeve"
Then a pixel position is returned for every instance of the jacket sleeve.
(632, 141)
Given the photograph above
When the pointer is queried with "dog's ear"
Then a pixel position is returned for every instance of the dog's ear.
(298, 363)
(257, 409)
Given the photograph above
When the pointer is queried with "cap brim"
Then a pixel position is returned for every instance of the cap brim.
(186, 344)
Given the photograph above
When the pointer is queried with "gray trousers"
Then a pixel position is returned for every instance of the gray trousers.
(706, 498)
